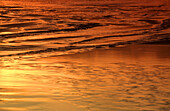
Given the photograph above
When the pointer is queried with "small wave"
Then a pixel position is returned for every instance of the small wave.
(13, 48)
(80, 26)
(164, 25)
(18, 25)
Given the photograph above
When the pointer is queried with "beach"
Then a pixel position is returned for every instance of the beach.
(134, 78)
(88, 55)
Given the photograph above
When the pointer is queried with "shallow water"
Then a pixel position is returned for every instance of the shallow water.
(48, 28)
(133, 78)
(75, 55)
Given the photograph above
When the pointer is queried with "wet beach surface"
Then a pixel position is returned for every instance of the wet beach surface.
(131, 78)
(84, 56)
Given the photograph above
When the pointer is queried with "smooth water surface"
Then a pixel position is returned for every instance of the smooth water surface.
(134, 78)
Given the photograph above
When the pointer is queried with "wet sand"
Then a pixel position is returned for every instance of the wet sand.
(127, 78)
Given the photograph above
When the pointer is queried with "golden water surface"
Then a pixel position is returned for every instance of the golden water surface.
(60, 55)
(134, 78)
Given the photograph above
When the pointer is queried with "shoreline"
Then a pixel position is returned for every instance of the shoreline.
(165, 41)
(131, 54)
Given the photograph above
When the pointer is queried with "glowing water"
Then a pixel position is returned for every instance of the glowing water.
(36, 74)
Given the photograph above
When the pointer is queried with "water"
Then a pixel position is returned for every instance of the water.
(76, 55)
(60, 27)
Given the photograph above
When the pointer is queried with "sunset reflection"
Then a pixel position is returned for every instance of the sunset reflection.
(104, 55)
(83, 81)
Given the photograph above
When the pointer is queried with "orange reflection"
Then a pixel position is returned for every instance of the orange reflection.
(134, 77)
(109, 77)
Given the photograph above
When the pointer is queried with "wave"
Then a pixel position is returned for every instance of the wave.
(37, 30)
